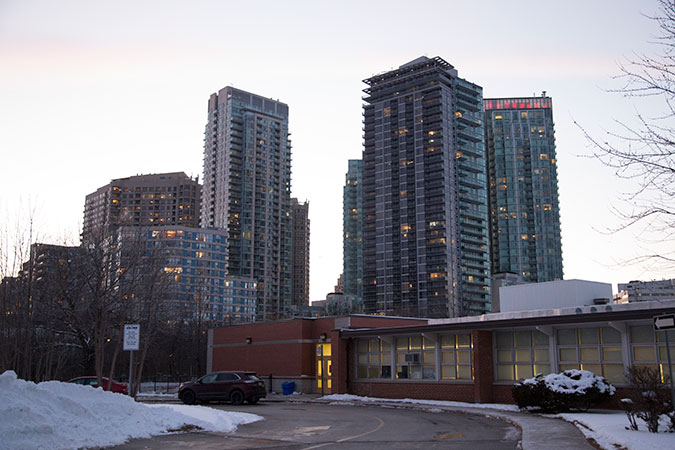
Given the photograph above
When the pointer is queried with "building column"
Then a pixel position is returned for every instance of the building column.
(339, 355)
(483, 366)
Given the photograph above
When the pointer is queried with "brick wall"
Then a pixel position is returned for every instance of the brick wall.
(460, 392)
(482, 366)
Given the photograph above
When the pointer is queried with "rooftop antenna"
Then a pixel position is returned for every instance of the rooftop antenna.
(543, 93)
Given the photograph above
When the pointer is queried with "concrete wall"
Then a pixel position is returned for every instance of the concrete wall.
(552, 295)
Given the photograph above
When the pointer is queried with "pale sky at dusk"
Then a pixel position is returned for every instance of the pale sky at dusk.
(91, 91)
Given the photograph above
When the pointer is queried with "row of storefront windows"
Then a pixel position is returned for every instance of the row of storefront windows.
(415, 357)
(517, 354)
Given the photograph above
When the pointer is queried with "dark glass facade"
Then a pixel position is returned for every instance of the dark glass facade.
(523, 191)
(425, 244)
(352, 223)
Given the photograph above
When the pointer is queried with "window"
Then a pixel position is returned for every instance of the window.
(373, 358)
(521, 354)
(415, 358)
(456, 357)
(648, 348)
(595, 349)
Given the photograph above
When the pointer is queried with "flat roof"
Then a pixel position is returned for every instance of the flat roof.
(540, 317)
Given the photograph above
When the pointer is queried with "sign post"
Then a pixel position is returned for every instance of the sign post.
(132, 334)
(665, 323)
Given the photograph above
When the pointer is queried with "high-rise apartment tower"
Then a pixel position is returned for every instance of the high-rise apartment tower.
(352, 223)
(300, 253)
(247, 186)
(425, 247)
(523, 189)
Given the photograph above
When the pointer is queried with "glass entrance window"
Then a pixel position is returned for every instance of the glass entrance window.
(324, 382)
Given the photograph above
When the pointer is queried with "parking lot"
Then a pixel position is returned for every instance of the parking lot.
(314, 425)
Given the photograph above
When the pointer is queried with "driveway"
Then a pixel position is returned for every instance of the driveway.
(315, 425)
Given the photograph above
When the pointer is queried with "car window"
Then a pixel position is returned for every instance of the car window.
(227, 377)
(91, 382)
(252, 376)
(210, 378)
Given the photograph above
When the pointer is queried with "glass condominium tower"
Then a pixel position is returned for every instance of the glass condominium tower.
(425, 247)
(523, 190)
(246, 191)
(352, 223)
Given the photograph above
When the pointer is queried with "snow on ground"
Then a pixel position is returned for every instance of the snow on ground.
(356, 398)
(57, 415)
(607, 428)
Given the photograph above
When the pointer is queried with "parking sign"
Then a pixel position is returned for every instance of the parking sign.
(132, 334)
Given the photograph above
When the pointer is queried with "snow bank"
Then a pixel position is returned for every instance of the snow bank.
(356, 398)
(56, 415)
(609, 431)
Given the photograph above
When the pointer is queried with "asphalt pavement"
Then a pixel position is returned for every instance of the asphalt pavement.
(307, 422)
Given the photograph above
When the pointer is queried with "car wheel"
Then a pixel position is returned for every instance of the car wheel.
(188, 397)
(237, 397)
(253, 400)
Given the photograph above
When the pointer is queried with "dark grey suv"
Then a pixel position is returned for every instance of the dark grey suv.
(233, 386)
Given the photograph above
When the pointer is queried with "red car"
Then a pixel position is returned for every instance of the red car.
(233, 386)
(120, 388)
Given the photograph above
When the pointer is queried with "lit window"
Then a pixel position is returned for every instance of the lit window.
(458, 114)
(498, 116)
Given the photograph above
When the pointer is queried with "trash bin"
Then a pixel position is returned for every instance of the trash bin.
(288, 387)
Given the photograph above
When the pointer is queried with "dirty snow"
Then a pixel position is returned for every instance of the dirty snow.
(608, 428)
(57, 415)
(356, 398)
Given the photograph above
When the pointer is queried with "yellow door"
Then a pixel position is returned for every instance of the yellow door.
(324, 382)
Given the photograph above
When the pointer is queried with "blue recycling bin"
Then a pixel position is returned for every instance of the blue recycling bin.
(288, 387)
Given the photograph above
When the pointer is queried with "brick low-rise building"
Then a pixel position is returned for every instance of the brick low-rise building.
(469, 359)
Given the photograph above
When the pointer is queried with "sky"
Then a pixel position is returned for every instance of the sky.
(92, 91)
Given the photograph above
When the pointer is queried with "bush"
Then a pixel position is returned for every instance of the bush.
(571, 389)
(650, 398)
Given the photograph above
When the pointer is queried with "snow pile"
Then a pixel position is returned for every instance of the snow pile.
(356, 398)
(573, 381)
(56, 415)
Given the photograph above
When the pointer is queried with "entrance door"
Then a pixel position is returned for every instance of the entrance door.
(324, 382)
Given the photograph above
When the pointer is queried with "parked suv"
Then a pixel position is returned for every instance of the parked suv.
(235, 386)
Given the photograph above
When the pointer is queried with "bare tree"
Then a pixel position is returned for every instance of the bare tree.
(645, 153)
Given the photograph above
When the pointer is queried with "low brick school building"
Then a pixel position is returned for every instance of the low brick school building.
(469, 359)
